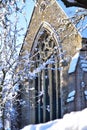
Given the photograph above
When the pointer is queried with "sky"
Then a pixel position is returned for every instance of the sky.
(29, 7)
(25, 18)
(18, 19)
(70, 121)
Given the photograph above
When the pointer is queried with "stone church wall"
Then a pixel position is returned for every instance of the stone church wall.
(69, 37)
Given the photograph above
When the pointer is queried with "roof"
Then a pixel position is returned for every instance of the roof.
(78, 3)
(75, 11)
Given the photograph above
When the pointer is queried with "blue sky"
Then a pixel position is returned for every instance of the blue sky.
(29, 9)
(24, 19)
(18, 19)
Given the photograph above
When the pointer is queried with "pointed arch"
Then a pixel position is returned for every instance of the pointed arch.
(46, 47)
(46, 26)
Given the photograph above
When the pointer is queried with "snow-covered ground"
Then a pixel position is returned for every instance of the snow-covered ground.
(72, 121)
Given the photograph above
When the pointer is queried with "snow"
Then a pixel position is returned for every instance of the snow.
(83, 61)
(70, 99)
(82, 84)
(73, 63)
(70, 121)
(83, 64)
(84, 69)
(85, 92)
(48, 108)
(72, 93)
(71, 1)
(71, 96)
(41, 67)
(32, 88)
(86, 97)
(1, 126)
(40, 94)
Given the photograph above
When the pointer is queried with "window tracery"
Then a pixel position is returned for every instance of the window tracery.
(45, 45)
(45, 53)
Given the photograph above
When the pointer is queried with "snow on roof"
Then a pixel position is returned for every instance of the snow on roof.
(70, 12)
(83, 63)
(70, 99)
(72, 121)
(86, 97)
(78, 3)
(73, 63)
(84, 69)
(71, 94)
(85, 92)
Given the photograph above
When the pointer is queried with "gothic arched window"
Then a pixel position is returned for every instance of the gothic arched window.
(45, 54)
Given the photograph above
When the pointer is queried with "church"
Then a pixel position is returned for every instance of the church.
(59, 54)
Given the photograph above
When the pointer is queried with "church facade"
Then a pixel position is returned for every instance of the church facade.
(59, 55)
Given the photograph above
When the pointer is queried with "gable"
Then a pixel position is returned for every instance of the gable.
(55, 16)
